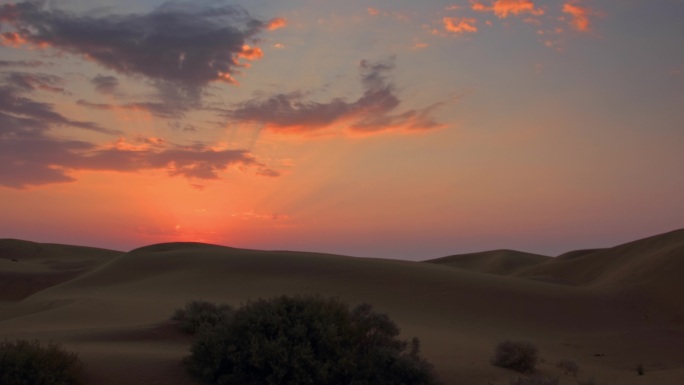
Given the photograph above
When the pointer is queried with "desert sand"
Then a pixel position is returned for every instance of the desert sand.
(608, 310)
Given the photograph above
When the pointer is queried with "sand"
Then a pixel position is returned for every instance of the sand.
(608, 310)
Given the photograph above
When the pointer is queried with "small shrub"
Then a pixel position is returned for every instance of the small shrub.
(535, 380)
(307, 341)
(640, 369)
(588, 381)
(31, 363)
(200, 315)
(569, 367)
(520, 356)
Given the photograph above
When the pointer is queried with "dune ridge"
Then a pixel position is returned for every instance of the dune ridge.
(501, 262)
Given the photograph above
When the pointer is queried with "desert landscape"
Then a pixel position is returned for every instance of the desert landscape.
(608, 310)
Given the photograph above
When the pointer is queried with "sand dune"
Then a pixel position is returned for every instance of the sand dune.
(650, 270)
(28, 267)
(502, 262)
(576, 253)
(114, 310)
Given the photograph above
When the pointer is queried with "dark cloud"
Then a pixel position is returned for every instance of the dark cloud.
(34, 160)
(186, 43)
(21, 115)
(194, 162)
(372, 112)
(41, 160)
(105, 84)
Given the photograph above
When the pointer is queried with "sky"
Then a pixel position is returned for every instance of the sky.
(392, 129)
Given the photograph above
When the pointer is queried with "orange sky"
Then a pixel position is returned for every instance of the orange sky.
(391, 129)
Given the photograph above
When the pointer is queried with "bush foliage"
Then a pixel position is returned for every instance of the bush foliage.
(199, 315)
(307, 341)
(519, 355)
(31, 363)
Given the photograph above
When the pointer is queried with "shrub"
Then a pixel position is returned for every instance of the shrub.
(307, 341)
(640, 369)
(199, 315)
(570, 367)
(520, 356)
(30, 363)
(535, 380)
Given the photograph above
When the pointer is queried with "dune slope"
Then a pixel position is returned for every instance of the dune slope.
(28, 267)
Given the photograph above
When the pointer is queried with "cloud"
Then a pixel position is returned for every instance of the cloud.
(105, 84)
(189, 44)
(504, 8)
(196, 161)
(579, 16)
(40, 160)
(31, 155)
(460, 25)
(374, 111)
(162, 110)
(26, 81)
(30, 161)
(276, 23)
(22, 63)
(20, 115)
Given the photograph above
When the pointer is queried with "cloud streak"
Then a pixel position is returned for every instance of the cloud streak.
(22, 63)
(161, 110)
(374, 111)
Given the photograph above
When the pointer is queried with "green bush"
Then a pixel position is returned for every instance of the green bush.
(30, 363)
(198, 315)
(307, 341)
(520, 356)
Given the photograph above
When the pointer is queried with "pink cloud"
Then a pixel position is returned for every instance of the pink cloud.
(460, 25)
(579, 16)
(504, 8)
(278, 22)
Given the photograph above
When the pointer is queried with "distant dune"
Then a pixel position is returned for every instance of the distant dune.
(28, 267)
(502, 262)
(616, 307)
(651, 269)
